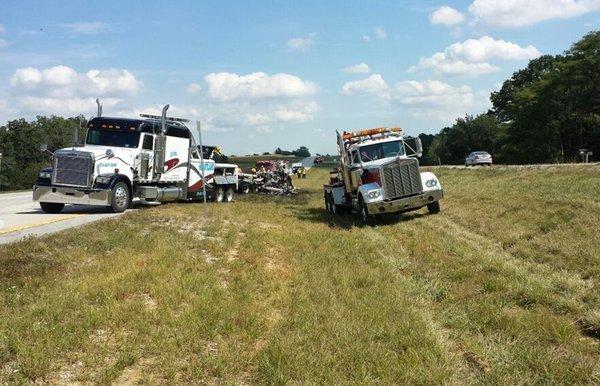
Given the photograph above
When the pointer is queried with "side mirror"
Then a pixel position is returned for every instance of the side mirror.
(419, 147)
(44, 147)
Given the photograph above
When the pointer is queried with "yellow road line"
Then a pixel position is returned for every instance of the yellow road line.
(21, 227)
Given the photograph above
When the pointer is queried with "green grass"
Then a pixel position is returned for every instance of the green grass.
(500, 287)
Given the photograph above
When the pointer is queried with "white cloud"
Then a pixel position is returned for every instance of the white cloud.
(227, 87)
(235, 102)
(431, 93)
(361, 68)
(297, 112)
(487, 48)
(301, 44)
(471, 57)
(2, 29)
(372, 85)
(3, 43)
(380, 33)
(431, 98)
(193, 89)
(86, 28)
(366, 38)
(447, 16)
(519, 13)
(65, 81)
(62, 90)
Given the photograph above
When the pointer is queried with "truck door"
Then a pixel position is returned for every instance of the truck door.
(145, 159)
(355, 169)
(176, 158)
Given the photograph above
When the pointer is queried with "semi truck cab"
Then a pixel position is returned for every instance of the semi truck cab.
(154, 158)
(379, 173)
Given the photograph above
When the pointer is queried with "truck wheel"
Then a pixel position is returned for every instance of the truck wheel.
(434, 207)
(363, 212)
(51, 207)
(219, 194)
(228, 197)
(245, 189)
(333, 206)
(120, 197)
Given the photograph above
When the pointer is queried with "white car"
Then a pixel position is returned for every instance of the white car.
(478, 158)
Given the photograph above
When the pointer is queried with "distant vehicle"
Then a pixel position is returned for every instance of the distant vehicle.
(296, 166)
(319, 159)
(478, 158)
(379, 173)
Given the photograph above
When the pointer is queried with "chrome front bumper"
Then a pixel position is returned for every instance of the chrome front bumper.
(405, 204)
(66, 195)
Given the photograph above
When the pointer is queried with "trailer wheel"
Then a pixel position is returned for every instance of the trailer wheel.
(219, 194)
(119, 197)
(51, 207)
(228, 197)
(433, 207)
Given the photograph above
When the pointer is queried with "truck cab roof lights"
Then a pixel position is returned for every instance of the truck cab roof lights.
(370, 132)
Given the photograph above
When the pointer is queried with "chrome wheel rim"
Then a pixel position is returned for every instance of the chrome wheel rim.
(121, 196)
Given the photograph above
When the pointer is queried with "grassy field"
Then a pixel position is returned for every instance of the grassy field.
(500, 287)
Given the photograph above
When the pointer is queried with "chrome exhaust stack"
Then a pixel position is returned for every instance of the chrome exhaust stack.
(99, 103)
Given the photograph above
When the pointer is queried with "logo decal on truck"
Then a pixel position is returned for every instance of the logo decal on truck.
(170, 164)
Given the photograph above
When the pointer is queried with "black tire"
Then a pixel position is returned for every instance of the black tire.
(51, 207)
(245, 189)
(433, 207)
(228, 196)
(363, 213)
(218, 194)
(334, 207)
(120, 197)
(326, 199)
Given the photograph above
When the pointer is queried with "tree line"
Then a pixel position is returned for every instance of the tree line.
(545, 113)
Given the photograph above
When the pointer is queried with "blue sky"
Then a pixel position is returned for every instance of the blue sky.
(261, 75)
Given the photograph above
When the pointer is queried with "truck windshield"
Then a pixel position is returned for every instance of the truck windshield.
(113, 138)
(381, 150)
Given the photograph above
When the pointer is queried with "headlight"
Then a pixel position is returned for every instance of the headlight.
(102, 180)
(374, 194)
(431, 183)
(45, 175)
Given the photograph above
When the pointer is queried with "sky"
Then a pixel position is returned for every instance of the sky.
(265, 74)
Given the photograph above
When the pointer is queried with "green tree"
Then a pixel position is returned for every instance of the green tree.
(468, 134)
(552, 107)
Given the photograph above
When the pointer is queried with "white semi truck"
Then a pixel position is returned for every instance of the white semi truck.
(154, 159)
(379, 173)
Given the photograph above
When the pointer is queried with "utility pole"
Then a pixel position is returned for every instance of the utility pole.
(199, 127)
(0, 172)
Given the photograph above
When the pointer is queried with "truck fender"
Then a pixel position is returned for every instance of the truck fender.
(114, 178)
(430, 182)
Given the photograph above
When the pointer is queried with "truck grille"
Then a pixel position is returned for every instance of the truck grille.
(401, 178)
(72, 168)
